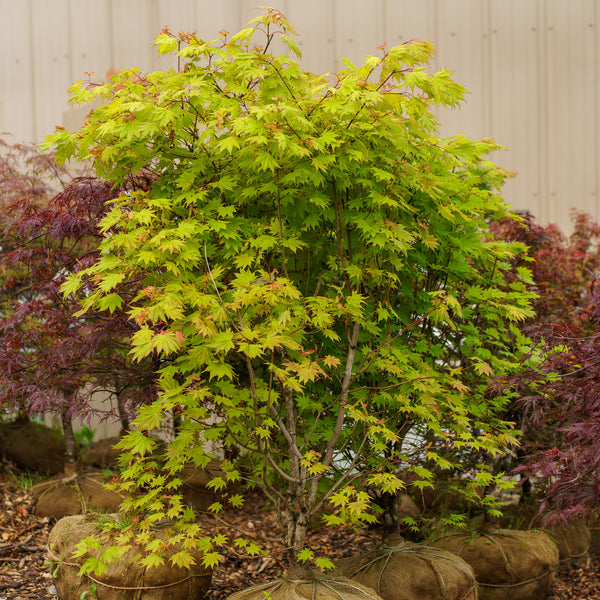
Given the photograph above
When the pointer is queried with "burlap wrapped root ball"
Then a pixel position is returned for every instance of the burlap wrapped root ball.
(77, 494)
(124, 579)
(33, 446)
(511, 564)
(102, 454)
(402, 507)
(195, 489)
(573, 542)
(593, 524)
(446, 497)
(410, 571)
(317, 588)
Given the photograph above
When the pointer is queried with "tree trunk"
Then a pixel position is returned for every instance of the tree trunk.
(122, 414)
(70, 445)
(297, 571)
(297, 526)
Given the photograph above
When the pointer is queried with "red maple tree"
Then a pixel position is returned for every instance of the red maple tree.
(558, 390)
(51, 360)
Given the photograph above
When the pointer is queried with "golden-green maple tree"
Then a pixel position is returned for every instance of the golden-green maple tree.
(315, 269)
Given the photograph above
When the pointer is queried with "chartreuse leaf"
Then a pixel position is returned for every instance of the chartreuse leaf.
(325, 564)
(305, 555)
(152, 560)
(182, 559)
(211, 559)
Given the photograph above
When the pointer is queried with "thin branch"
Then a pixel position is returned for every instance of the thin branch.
(285, 431)
(281, 473)
(343, 397)
(217, 289)
(338, 231)
(280, 222)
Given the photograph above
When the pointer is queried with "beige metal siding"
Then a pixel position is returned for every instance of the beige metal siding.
(515, 97)
(17, 91)
(462, 47)
(530, 66)
(572, 107)
(316, 35)
(52, 75)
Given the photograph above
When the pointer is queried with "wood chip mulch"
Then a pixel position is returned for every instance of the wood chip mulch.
(25, 574)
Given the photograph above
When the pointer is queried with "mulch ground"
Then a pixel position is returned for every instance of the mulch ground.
(25, 574)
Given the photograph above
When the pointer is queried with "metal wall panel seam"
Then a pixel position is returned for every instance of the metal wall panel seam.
(384, 20)
(335, 36)
(111, 32)
(153, 25)
(543, 116)
(34, 94)
(490, 84)
(435, 11)
(595, 13)
(591, 108)
(70, 44)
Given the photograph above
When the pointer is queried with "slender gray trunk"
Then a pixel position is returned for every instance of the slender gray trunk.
(70, 445)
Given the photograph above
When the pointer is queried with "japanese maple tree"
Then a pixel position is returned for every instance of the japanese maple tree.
(557, 395)
(50, 360)
(309, 248)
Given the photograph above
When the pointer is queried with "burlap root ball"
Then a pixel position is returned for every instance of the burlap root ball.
(33, 446)
(124, 579)
(102, 453)
(593, 524)
(410, 571)
(195, 490)
(573, 542)
(446, 497)
(318, 588)
(61, 496)
(511, 564)
(406, 507)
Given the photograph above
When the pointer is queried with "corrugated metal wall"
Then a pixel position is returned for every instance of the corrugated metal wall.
(530, 66)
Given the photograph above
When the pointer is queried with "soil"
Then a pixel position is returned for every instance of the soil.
(25, 574)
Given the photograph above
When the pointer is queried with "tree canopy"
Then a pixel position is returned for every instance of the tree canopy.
(315, 274)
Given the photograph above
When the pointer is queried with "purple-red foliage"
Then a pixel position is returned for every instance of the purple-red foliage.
(562, 268)
(559, 390)
(50, 359)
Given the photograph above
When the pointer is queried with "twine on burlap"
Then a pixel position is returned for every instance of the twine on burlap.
(273, 586)
(507, 564)
(46, 487)
(426, 556)
(511, 573)
(571, 555)
(324, 582)
(518, 583)
(137, 588)
(52, 483)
